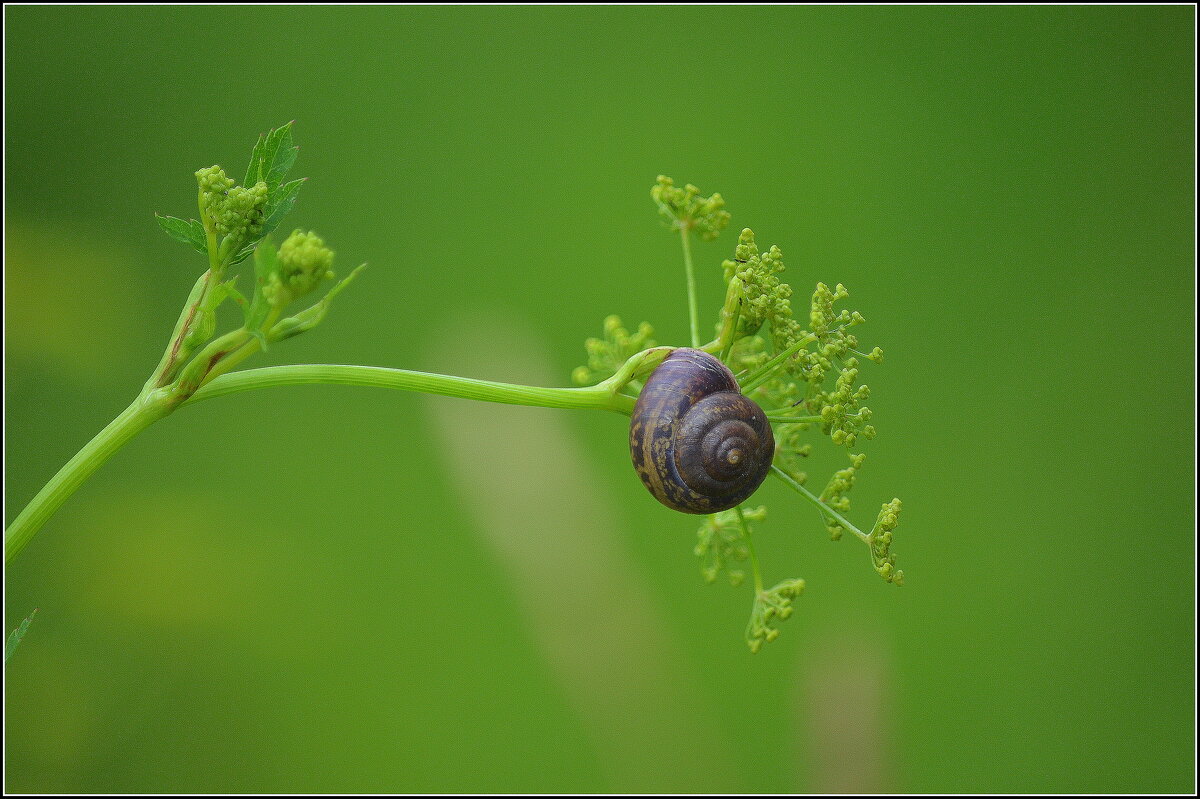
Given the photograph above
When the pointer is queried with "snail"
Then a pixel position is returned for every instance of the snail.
(697, 442)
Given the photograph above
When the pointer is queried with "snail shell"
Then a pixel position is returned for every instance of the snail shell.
(697, 442)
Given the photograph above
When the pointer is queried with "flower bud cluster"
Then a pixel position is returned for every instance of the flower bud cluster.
(755, 276)
(774, 604)
(608, 354)
(304, 261)
(835, 492)
(241, 213)
(234, 211)
(213, 184)
(722, 539)
(685, 209)
(881, 543)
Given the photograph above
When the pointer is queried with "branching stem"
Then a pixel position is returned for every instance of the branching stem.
(758, 583)
(155, 404)
(813, 498)
(131, 421)
(685, 234)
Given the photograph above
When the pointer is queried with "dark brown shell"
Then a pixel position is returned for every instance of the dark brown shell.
(697, 442)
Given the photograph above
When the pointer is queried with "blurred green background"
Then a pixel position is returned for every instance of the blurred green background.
(338, 589)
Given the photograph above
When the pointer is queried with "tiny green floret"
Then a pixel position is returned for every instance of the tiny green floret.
(608, 354)
(835, 493)
(770, 607)
(881, 543)
(686, 209)
(722, 538)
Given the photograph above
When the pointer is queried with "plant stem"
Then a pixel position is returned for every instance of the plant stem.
(131, 421)
(154, 405)
(813, 498)
(762, 373)
(164, 368)
(693, 305)
(784, 419)
(758, 583)
(599, 397)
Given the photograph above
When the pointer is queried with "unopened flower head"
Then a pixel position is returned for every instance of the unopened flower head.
(686, 209)
(241, 213)
(304, 261)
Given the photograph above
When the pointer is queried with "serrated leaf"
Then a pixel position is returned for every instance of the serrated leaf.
(282, 164)
(14, 638)
(188, 231)
(271, 158)
(256, 156)
(279, 203)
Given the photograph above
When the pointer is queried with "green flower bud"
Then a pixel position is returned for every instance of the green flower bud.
(213, 181)
(240, 213)
(304, 261)
(686, 209)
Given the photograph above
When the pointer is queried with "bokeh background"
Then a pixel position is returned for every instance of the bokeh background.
(338, 589)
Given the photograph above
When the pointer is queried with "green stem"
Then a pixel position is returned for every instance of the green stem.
(693, 305)
(782, 419)
(758, 583)
(728, 348)
(761, 374)
(131, 421)
(813, 498)
(598, 397)
(154, 405)
(243, 350)
(182, 326)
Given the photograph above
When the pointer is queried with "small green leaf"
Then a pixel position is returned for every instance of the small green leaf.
(238, 297)
(271, 158)
(16, 635)
(284, 159)
(187, 231)
(279, 203)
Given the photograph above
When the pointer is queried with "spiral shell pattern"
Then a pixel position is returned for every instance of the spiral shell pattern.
(697, 442)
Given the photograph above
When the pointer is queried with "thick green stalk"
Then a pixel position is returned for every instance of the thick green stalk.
(600, 397)
(154, 405)
(131, 421)
(182, 327)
